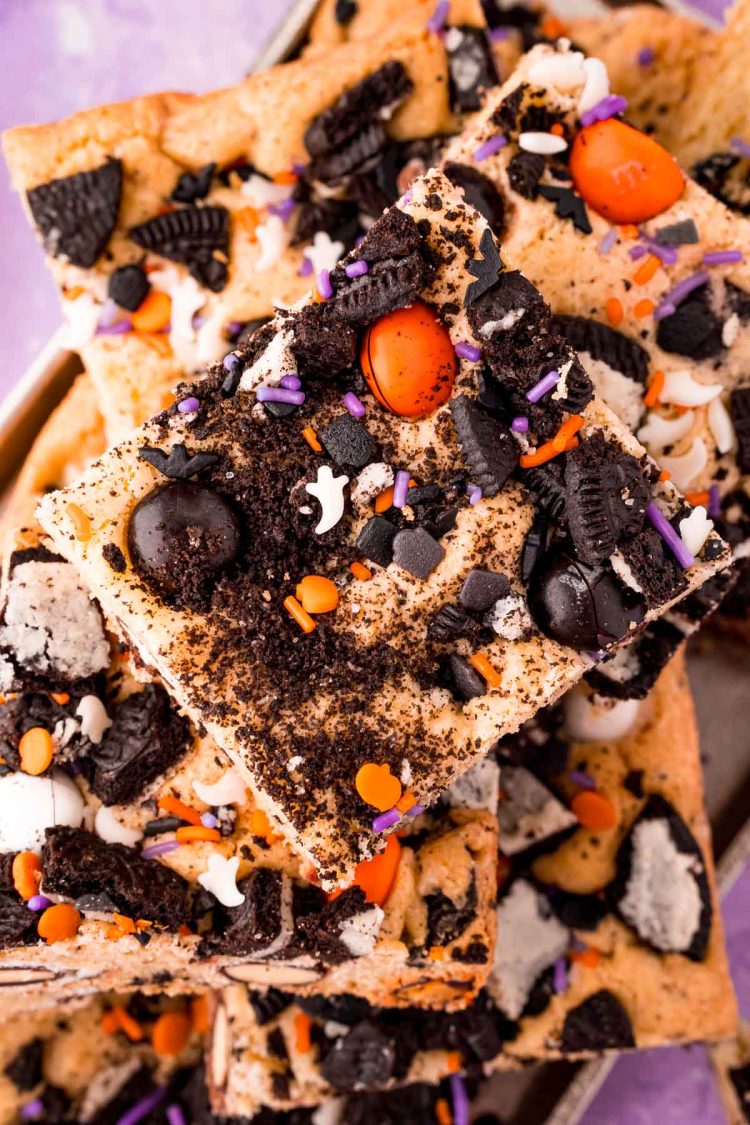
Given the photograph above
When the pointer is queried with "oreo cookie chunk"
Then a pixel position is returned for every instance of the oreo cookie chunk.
(726, 175)
(480, 192)
(661, 888)
(17, 922)
(617, 364)
(335, 931)
(76, 863)
(263, 925)
(606, 498)
(739, 409)
(196, 237)
(25, 1069)
(389, 284)
(508, 315)
(446, 919)
(631, 672)
(520, 371)
(364, 1058)
(694, 329)
(529, 813)
(648, 567)
(533, 939)
(471, 67)
(487, 444)
(76, 215)
(147, 736)
(600, 1023)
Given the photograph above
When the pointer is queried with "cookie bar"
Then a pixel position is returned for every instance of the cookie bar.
(103, 1061)
(609, 934)
(448, 624)
(171, 222)
(731, 1062)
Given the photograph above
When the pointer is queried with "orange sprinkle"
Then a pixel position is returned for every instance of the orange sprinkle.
(360, 571)
(664, 475)
(436, 953)
(317, 594)
(443, 1113)
(191, 834)
(246, 218)
(81, 522)
(127, 925)
(35, 748)
(300, 615)
(153, 313)
(128, 1024)
(614, 310)
(113, 933)
(170, 1033)
(302, 1032)
(646, 270)
(109, 1023)
(568, 430)
(377, 786)
(375, 877)
(27, 874)
(200, 1016)
(312, 439)
(594, 811)
(588, 958)
(385, 500)
(655, 387)
(454, 1062)
(643, 308)
(285, 178)
(260, 825)
(545, 453)
(184, 930)
(629, 230)
(557, 129)
(60, 697)
(406, 802)
(58, 923)
(486, 669)
(552, 27)
(696, 498)
(178, 808)
(73, 293)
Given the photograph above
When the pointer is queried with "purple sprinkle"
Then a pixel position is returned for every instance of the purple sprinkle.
(298, 168)
(353, 405)
(646, 56)
(666, 254)
(143, 1107)
(520, 425)
(153, 850)
(580, 777)
(637, 252)
(198, 321)
(468, 351)
(290, 382)
(544, 385)
(714, 502)
(439, 16)
(739, 146)
(475, 494)
(498, 34)
(415, 810)
(386, 820)
(305, 269)
(324, 284)
(279, 394)
(356, 269)
(175, 1116)
(608, 241)
(490, 147)
(39, 902)
(400, 489)
(722, 257)
(671, 300)
(189, 405)
(208, 820)
(460, 1100)
(235, 326)
(284, 209)
(604, 109)
(660, 522)
(404, 201)
(32, 1110)
(116, 329)
(231, 362)
(560, 977)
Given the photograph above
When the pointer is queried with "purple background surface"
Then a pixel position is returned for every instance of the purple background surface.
(58, 56)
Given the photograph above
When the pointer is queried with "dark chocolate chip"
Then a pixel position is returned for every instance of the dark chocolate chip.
(568, 205)
(75, 215)
(487, 444)
(196, 237)
(481, 589)
(348, 442)
(362, 1059)
(128, 287)
(585, 607)
(471, 67)
(602, 342)
(682, 233)
(344, 12)
(599, 1023)
(178, 464)
(480, 192)
(415, 551)
(375, 540)
(182, 534)
(25, 1068)
(147, 736)
(486, 269)
(193, 186)
(76, 862)
(465, 681)
(693, 329)
(739, 409)
(524, 173)
(607, 495)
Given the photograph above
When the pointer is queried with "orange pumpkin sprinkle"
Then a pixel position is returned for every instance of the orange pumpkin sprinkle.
(594, 811)
(27, 874)
(377, 786)
(178, 808)
(35, 749)
(317, 594)
(300, 615)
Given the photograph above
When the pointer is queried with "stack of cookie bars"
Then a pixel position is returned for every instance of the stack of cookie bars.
(348, 753)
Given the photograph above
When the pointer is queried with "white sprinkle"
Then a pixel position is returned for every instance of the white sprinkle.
(220, 879)
(657, 432)
(29, 804)
(681, 389)
(597, 85)
(323, 251)
(359, 933)
(565, 72)
(110, 829)
(94, 718)
(720, 425)
(729, 330)
(545, 144)
(261, 193)
(294, 763)
(273, 236)
(230, 789)
(588, 719)
(328, 490)
(685, 468)
(695, 529)
(374, 479)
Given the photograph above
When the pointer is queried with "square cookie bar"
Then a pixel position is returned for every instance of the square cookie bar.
(358, 595)
(171, 221)
(609, 935)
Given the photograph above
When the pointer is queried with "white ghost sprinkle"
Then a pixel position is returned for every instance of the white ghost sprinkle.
(328, 490)
(221, 879)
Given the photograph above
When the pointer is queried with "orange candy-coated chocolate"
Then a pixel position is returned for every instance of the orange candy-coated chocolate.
(59, 923)
(623, 174)
(408, 361)
(376, 876)
(170, 1033)
(594, 811)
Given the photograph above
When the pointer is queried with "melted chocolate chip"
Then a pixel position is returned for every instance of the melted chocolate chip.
(585, 607)
(128, 287)
(182, 534)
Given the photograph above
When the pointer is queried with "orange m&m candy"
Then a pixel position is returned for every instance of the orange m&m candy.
(623, 174)
(408, 361)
